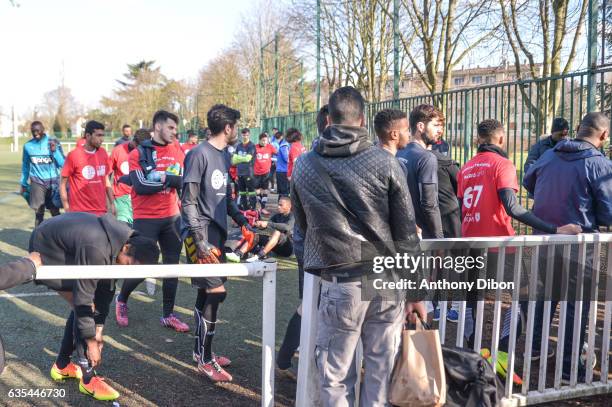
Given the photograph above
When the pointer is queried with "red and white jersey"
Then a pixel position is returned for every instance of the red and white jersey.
(263, 159)
(120, 166)
(478, 184)
(162, 204)
(86, 172)
(296, 150)
(186, 147)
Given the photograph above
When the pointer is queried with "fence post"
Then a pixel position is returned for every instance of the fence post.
(14, 130)
(260, 96)
(396, 70)
(302, 88)
(268, 338)
(307, 390)
(318, 101)
(593, 12)
(276, 90)
(467, 127)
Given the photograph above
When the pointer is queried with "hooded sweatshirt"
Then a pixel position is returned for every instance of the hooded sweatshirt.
(371, 184)
(572, 183)
(79, 238)
(447, 183)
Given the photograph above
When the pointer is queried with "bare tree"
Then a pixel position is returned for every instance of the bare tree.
(437, 35)
(220, 81)
(606, 48)
(260, 25)
(545, 34)
(607, 31)
(60, 109)
(356, 42)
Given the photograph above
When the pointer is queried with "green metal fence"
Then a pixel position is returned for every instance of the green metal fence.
(304, 122)
(526, 108)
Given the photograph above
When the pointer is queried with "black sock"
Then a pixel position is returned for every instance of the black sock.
(129, 285)
(80, 346)
(87, 370)
(201, 299)
(169, 287)
(40, 216)
(197, 316)
(209, 316)
(83, 362)
(197, 346)
(67, 346)
(290, 343)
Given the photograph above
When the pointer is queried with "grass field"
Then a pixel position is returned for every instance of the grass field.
(148, 364)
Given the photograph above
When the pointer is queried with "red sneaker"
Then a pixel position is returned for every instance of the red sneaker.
(172, 321)
(221, 360)
(214, 372)
(121, 313)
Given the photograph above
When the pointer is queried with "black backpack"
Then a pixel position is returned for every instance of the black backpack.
(470, 379)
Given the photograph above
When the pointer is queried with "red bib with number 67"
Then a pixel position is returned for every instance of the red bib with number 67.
(479, 181)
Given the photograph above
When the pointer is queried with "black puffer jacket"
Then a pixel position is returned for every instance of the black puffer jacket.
(373, 186)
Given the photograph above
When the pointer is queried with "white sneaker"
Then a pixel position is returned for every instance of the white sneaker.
(583, 355)
(150, 284)
(253, 259)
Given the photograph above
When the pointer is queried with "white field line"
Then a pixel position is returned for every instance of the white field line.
(45, 294)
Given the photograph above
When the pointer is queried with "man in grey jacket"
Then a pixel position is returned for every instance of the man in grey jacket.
(559, 131)
(369, 182)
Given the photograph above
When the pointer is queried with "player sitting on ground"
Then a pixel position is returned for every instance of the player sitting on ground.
(279, 242)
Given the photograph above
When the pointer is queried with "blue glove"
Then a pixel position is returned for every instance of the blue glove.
(154, 176)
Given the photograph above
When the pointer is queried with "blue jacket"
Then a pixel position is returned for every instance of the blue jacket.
(276, 144)
(572, 183)
(282, 158)
(38, 163)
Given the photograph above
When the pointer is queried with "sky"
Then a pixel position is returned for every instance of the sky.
(94, 40)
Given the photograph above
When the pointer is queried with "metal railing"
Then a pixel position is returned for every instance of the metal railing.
(525, 107)
(592, 249)
(266, 270)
